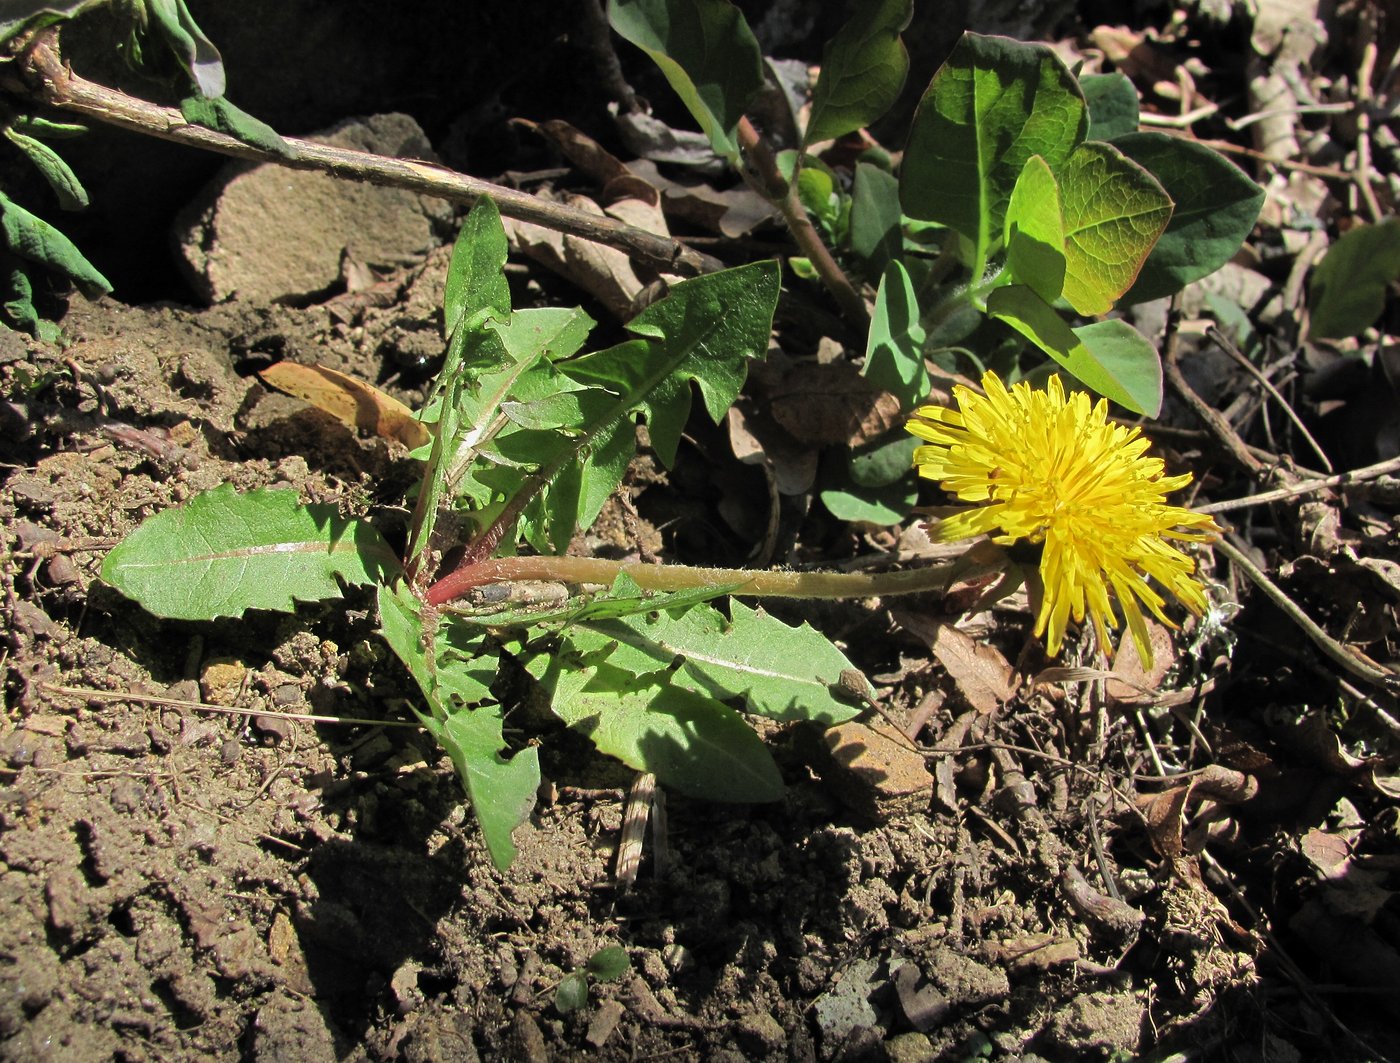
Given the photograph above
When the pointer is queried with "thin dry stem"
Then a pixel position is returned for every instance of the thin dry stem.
(48, 80)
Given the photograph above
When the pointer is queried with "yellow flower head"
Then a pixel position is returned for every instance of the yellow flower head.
(1055, 472)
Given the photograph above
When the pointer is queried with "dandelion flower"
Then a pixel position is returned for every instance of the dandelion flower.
(1056, 473)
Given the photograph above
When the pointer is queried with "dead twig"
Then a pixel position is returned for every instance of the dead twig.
(91, 694)
(1220, 340)
(1223, 431)
(766, 179)
(1355, 476)
(49, 81)
(1351, 661)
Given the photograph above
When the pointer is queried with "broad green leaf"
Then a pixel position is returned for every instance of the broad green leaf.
(196, 53)
(894, 349)
(64, 182)
(875, 217)
(20, 15)
(476, 281)
(1114, 211)
(35, 239)
(571, 993)
(609, 964)
(863, 68)
(453, 679)
(691, 743)
(1113, 105)
(1035, 235)
(883, 506)
(1129, 357)
(990, 107)
(884, 461)
(782, 672)
(708, 54)
(1216, 207)
(217, 113)
(1118, 375)
(222, 553)
(553, 331)
(1347, 290)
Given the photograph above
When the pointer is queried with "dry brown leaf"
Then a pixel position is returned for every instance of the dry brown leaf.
(833, 404)
(757, 440)
(1131, 677)
(982, 675)
(604, 272)
(352, 402)
(1166, 819)
(734, 212)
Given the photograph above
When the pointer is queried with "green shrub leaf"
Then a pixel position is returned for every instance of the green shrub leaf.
(36, 14)
(1111, 366)
(707, 52)
(1113, 105)
(863, 68)
(217, 113)
(35, 239)
(196, 53)
(990, 107)
(64, 182)
(894, 349)
(1347, 290)
(1035, 235)
(222, 553)
(1216, 206)
(1114, 211)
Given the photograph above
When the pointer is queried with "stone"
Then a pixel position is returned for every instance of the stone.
(874, 769)
(270, 233)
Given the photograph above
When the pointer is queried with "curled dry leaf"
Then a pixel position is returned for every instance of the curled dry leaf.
(982, 675)
(823, 405)
(758, 440)
(352, 402)
(604, 272)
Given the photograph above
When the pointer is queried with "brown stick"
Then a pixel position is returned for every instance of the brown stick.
(48, 80)
(768, 182)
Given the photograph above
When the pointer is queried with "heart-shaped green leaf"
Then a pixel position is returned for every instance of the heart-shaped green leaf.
(1113, 211)
(1347, 291)
(990, 107)
(863, 69)
(1216, 206)
(1113, 105)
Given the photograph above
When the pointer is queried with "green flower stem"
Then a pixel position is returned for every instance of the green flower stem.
(748, 582)
(768, 181)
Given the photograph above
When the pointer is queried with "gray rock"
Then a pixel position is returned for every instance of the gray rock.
(270, 233)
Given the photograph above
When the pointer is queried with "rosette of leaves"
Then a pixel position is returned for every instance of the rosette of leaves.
(530, 437)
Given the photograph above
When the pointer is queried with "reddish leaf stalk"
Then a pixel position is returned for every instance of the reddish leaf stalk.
(769, 182)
